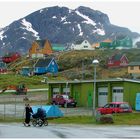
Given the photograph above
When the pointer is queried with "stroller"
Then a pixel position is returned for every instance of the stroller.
(39, 118)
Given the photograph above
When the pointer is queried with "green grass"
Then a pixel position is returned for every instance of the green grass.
(30, 82)
(119, 119)
(12, 79)
(129, 119)
(74, 120)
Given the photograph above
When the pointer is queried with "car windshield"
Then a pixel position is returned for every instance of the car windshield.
(124, 106)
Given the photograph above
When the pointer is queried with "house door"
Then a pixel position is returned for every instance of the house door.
(55, 91)
(89, 99)
(102, 96)
(117, 94)
(66, 91)
(76, 97)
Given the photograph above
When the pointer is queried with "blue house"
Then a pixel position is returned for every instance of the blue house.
(45, 65)
(3, 67)
(26, 71)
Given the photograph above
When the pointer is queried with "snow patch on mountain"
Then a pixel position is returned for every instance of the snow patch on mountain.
(28, 27)
(41, 11)
(54, 17)
(1, 35)
(63, 18)
(66, 22)
(70, 11)
(88, 20)
(99, 31)
(80, 30)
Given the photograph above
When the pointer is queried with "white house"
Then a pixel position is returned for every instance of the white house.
(82, 45)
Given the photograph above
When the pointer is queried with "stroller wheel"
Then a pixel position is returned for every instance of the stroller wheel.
(34, 122)
(46, 123)
(40, 122)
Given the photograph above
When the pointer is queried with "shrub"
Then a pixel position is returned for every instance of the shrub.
(106, 119)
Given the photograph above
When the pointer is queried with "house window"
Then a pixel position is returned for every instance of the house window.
(85, 41)
(85, 46)
(123, 62)
(110, 62)
(131, 68)
(117, 90)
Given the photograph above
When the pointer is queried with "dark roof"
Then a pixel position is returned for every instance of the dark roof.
(41, 43)
(134, 64)
(43, 62)
(79, 41)
(118, 56)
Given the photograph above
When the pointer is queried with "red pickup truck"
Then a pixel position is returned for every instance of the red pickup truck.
(63, 100)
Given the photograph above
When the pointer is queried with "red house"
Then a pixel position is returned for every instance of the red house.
(10, 57)
(117, 60)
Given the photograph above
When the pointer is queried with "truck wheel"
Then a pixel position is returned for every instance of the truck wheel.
(74, 105)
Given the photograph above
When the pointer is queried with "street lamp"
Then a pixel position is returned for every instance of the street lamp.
(95, 63)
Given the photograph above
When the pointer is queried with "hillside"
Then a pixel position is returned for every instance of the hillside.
(78, 64)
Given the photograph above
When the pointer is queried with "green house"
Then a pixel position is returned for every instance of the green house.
(125, 42)
(58, 47)
(122, 42)
(105, 45)
(111, 90)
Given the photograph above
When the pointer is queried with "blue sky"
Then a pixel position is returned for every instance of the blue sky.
(123, 13)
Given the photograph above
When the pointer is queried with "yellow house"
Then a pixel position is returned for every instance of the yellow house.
(40, 48)
(134, 69)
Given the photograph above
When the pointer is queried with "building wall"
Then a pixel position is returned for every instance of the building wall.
(114, 64)
(47, 48)
(36, 51)
(81, 46)
(136, 69)
(131, 89)
(76, 93)
(33, 49)
(81, 91)
(87, 94)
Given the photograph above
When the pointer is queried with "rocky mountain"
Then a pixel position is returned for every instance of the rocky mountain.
(59, 25)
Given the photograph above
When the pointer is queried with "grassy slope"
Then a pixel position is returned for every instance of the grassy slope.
(12, 79)
(70, 65)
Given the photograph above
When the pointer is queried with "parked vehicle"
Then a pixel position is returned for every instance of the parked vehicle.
(115, 107)
(63, 100)
(20, 89)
